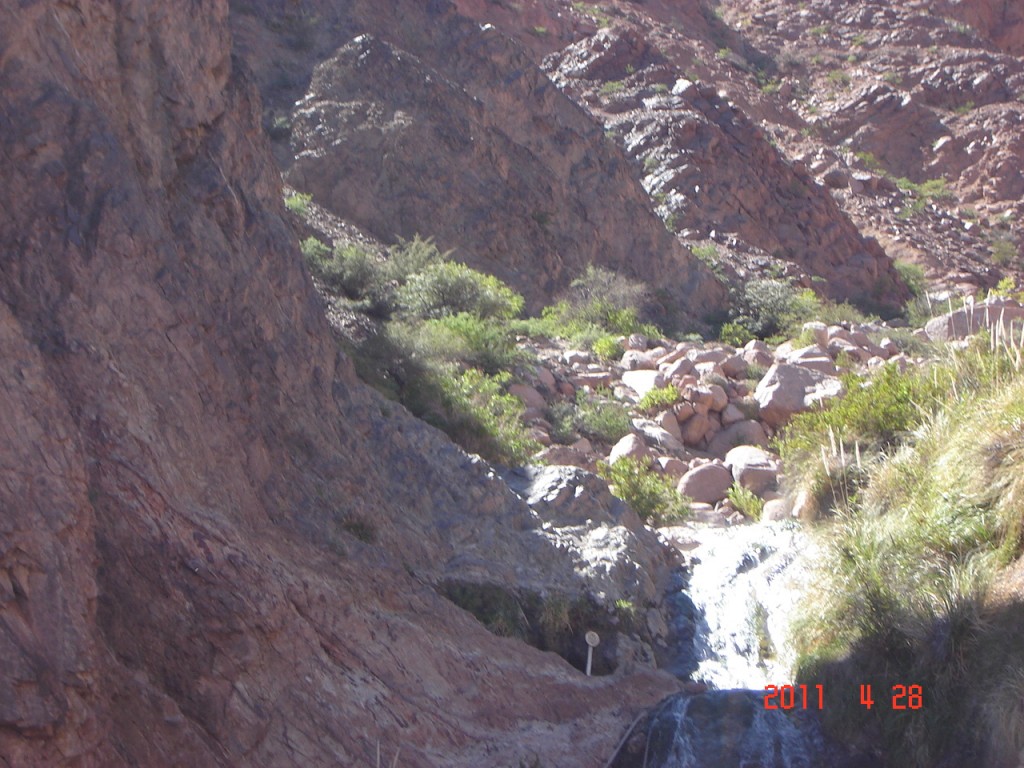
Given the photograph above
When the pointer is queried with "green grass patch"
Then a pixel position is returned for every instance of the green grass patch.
(901, 595)
(659, 398)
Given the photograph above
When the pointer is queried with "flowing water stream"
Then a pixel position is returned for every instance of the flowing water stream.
(741, 590)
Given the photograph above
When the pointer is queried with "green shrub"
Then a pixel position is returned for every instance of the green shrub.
(659, 398)
(1003, 251)
(746, 501)
(735, 334)
(874, 413)
(447, 288)
(770, 307)
(913, 276)
(923, 193)
(598, 303)
(480, 416)
(351, 270)
(466, 339)
(603, 420)
(410, 257)
(652, 496)
(607, 348)
(298, 203)
(838, 77)
(612, 87)
(562, 416)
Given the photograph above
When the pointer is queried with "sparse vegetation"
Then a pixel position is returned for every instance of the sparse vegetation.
(746, 501)
(651, 495)
(659, 398)
(602, 418)
(612, 87)
(924, 193)
(298, 203)
(838, 77)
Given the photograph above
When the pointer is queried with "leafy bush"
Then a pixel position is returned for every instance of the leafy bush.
(447, 288)
(485, 418)
(1003, 251)
(659, 398)
(410, 257)
(603, 420)
(607, 348)
(652, 496)
(735, 334)
(298, 203)
(563, 417)
(874, 413)
(746, 501)
(598, 303)
(351, 270)
(463, 338)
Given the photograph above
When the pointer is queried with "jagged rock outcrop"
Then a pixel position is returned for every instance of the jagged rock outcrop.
(218, 547)
(715, 170)
(448, 129)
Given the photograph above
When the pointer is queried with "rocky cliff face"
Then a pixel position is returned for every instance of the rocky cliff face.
(218, 547)
(434, 125)
(858, 94)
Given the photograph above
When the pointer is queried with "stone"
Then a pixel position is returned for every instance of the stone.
(643, 382)
(634, 360)
(668, 421)
(671, 466)
(753, 468)
(629, 447)
(546, 379)
(583, 446)
(680, 367)
(777, 510)
(529, 396)
(762, 358)
(694, 428)
(636, 341)
(592, 380)
(819, 331)
(576, 357)
(969, 320)
(788, 389)
(564, 455)
(707, 484)
(719, 398)
(747, 432)
(731, 414)
(734, 366)
(654, 435)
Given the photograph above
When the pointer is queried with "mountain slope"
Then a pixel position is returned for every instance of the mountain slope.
(190, 468)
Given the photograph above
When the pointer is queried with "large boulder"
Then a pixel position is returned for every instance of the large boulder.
(787, 389)
(629, 447)
(754, 468)
(643, 382)
(708, 483)
(746, 432)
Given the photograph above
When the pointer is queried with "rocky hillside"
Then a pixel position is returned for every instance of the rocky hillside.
(440, 128)
(219, 547)
(908, 115)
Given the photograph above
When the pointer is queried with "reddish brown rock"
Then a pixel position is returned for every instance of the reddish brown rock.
(217, 550)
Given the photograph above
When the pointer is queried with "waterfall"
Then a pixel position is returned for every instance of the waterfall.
(734, 614)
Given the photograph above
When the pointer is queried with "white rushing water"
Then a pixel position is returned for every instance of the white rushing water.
(745, 581)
